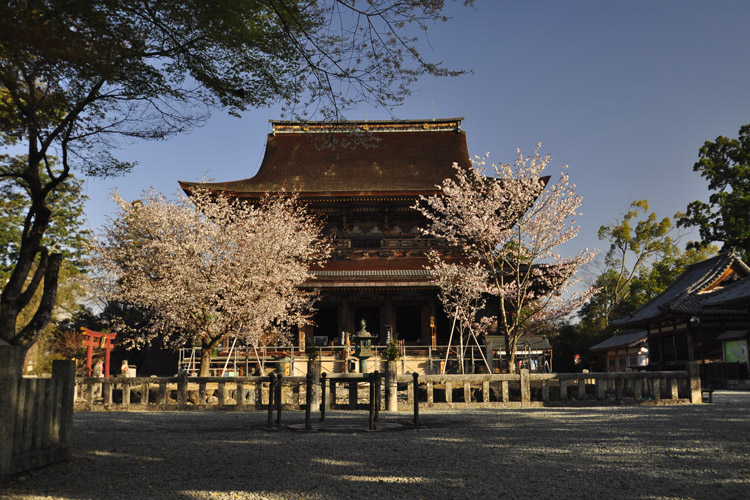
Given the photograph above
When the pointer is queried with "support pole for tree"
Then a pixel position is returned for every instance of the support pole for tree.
(447, 352)
(271, 389)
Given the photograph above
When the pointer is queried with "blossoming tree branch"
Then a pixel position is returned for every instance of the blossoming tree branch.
(207, 267)
(509, 224)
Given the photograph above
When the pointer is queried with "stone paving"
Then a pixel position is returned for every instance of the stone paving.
(629, 452)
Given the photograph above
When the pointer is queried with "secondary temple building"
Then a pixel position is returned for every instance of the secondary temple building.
(364, 178)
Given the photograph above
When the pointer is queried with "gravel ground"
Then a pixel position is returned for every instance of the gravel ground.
(646, 452)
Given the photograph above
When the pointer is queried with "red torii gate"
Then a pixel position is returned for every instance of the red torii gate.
(97, 339)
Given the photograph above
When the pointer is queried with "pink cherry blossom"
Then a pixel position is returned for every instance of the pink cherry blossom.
(510, 224)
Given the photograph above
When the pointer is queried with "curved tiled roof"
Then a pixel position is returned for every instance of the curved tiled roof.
(693, 293)
(355, 158)
(627, 339)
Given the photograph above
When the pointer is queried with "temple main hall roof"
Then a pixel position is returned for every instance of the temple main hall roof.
(361, 158)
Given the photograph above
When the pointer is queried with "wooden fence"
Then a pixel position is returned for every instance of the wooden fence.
(36, 415)
(344, 391)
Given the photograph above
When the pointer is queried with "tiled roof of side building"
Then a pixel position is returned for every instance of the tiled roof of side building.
(355, 158)
(683, 296)
(627, 339)
(733, 298)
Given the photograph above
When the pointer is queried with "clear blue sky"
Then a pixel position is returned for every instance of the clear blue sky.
(623, 92)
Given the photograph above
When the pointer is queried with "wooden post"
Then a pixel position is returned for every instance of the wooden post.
(353, 395)
(278, 399)
(525, 387)
(378, 384)
(372, 401)
(10, 369)
(416, 399)
(332, 391)
(325, 403)
(694, 372)
(308, 400)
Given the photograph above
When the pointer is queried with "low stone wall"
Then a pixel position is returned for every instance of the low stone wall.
(345, 391)
(554, 389)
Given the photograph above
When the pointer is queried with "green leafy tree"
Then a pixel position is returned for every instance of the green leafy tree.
(643, 260)
(76, 77)
(725, 163)
(66, 232)
(635, 241)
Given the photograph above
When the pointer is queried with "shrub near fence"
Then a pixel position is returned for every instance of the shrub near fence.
(36, 415)
(346, 391)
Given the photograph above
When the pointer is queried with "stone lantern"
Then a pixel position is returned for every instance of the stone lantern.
(363, 346)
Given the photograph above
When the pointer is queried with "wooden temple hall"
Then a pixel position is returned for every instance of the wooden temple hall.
(364, 178)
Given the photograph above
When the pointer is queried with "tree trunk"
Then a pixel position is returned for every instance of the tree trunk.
(14, 297)
(206, 349)
(31, 332)
(511, 345)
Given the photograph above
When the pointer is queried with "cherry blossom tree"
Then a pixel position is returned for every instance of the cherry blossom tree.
(207, 267)
(512, 225)
(463, 290)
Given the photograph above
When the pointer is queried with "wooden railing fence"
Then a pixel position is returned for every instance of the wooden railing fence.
(345, 391)
(36, 415)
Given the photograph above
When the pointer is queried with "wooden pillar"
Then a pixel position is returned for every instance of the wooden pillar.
(428, 315)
